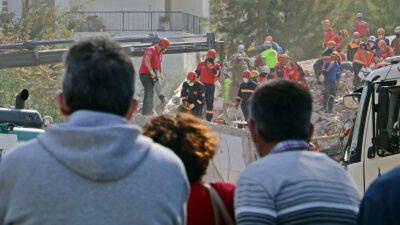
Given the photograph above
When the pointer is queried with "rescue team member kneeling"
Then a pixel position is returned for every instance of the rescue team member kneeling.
(246, 89)
(192, 94)
(209, 71)
(151, 64)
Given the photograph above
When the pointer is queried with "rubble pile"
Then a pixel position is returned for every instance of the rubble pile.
(329, 124)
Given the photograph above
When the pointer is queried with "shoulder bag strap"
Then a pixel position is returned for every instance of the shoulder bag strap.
(219, 206)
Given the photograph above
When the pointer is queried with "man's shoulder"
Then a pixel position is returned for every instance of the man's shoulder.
(390, 182)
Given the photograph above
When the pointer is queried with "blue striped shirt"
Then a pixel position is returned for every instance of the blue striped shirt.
(296, 187)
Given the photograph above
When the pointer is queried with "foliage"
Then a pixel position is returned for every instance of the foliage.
(41, 23)
(295, 25)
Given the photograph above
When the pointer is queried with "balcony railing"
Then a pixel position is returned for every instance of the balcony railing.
(114, 21)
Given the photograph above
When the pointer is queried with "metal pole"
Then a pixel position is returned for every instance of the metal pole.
(123, 21)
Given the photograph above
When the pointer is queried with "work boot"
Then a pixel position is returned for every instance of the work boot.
(162, 99)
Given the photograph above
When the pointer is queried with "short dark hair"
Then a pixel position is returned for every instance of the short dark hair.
(188, 137)
(281, 110)
(98, 76)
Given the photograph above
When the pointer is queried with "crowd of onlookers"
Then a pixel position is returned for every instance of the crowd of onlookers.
(96, 168)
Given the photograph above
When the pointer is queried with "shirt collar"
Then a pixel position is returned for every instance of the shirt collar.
(290, 145)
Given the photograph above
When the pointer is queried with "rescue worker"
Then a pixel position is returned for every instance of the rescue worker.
(192, 94)
(209, 71)
(228, 90)
(329, 34)
(380, 37)
(363, 57)
(343, 34)
(275, 46)
(264, 75)
(149, 69)
(326, 55)
(254, 76)
(240, 50)
(361, 26)
(353, 46)
(270, 56)
(239, 65)
(396, 41)
(296, 73)
(385, 50)
(245, 91)
(280, 69)
(331, 71)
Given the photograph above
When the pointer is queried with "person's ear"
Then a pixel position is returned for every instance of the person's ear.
(311, 132)
(253, 131)
(132, 109)
(61, 104)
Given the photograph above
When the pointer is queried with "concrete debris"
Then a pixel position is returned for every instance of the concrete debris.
(328, 124)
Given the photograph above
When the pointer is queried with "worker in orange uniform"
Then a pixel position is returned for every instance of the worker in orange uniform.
(385, 50)
(149, 73)
(343, 34)
(208, 71)
(361, 26)
(280, 68)
(329, 33)
(296, 73)
(353, 46)
(192, 94)
(363, 58)
(381, 37)
(246, 89)
(396, 41)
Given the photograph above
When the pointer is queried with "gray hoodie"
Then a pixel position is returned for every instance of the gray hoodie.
(96, 169)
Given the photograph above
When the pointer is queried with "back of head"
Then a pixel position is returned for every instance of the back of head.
(98, 76)
(188, 137)
(281, 110)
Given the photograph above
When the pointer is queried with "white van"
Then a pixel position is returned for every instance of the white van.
(374, 144)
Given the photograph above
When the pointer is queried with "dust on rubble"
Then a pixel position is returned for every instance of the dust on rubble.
(327, 124)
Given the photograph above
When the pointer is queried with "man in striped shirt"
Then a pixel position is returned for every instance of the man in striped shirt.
(291, 184)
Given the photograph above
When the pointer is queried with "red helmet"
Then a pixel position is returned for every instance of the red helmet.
(246, 73)
(192, 76)
(164, 42)
(211, 53)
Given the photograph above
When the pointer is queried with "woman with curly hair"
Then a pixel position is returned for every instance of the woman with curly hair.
(196, 145)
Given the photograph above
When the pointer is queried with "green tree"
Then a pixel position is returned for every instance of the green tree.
(295, 25)
(382, 14)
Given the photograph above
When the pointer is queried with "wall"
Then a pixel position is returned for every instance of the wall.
(15, 6)
(127, 5)
(194, 7)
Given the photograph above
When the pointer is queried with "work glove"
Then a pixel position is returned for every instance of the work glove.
(251, 48)
(323, 45)
(152, 75)
(162, 76)
(236, 105)
(191, 106)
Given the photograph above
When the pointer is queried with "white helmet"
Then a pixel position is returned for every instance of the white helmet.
(268, 44)
(397, 30)
(372, 38)
(241, 48)
(359, 15)
(265, 69)
(238, 56)
(364, 72)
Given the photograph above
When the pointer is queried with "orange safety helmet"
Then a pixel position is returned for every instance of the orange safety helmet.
(212, 53)
(192, 76)
(246, 74)
(344, 33)
(269, 38)
(356, 35)
(284, 56)
(380, 31)
(331, 44)
(326, 23)
(254, 73)
(382, 44)
(164, 42)
(335, 55)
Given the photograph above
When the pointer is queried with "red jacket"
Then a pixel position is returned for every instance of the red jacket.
(206, 74)
(199, 208)
(280, 72)
(338, 42)
(329, 35)
(296, 74)
(361, 27)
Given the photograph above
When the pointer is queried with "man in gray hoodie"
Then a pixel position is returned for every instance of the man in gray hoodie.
(95, 168)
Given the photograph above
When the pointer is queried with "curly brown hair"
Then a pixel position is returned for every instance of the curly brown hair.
(188, 137)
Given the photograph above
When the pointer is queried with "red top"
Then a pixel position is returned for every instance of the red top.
(155, 60)
(388, 52)
(206, 74)
(329, 35)
(361, 27)
(199, 208)
(338, 42)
